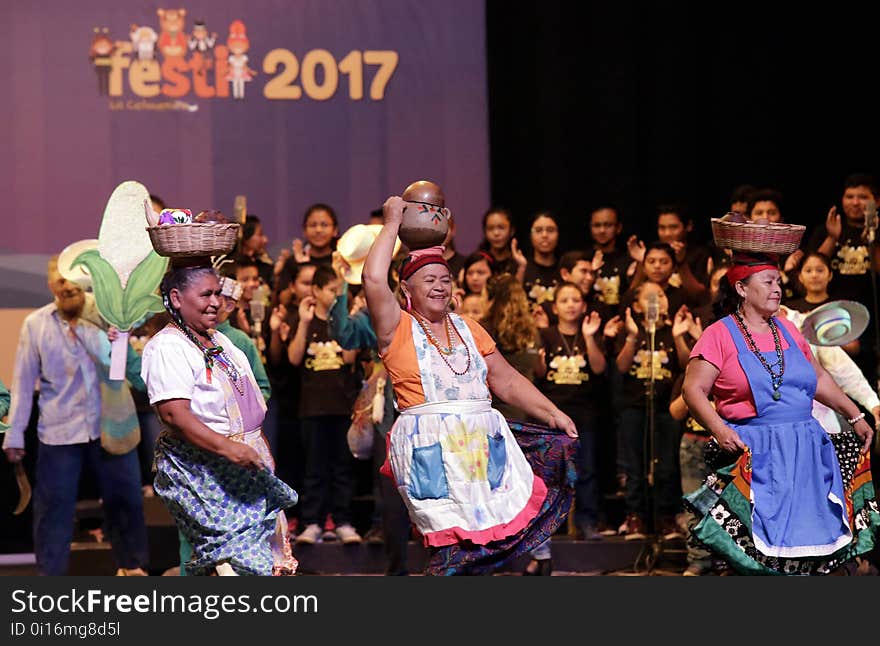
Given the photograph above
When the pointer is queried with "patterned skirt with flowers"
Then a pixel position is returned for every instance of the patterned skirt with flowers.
(551, 455)
(724, 506)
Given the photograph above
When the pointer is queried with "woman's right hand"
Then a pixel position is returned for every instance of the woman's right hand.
(729, 440)
(392, 210)
(242, 455)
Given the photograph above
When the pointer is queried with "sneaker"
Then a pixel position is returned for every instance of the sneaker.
(374, 536)
(131, 572)
(310, 535)
(591, 533)
(347, 534)
(329, 534)
(635, 528)
(670, 530)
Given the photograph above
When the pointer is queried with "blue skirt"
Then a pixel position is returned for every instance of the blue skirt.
(226, 512)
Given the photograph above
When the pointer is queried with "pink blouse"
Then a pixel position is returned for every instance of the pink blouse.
(731, 391)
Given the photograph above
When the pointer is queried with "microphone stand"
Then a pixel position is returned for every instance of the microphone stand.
(651, 553)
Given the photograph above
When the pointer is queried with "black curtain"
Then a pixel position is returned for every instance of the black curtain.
(594, 102)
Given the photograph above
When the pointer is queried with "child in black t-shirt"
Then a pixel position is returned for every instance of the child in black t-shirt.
(328, 390)
(642, 373)
(569, 372)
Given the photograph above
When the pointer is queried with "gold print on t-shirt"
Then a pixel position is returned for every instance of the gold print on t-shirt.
(567, 370)
(541, 293)
(851, 260)
(641, 367)
(327, 356)
(609, 289)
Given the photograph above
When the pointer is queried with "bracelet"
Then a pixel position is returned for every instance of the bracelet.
(631, 339)
(855, 419)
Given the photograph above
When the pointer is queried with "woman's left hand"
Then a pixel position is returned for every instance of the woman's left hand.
(563, 422)
(865, 433)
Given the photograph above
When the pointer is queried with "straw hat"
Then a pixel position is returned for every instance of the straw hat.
(77, 274)
(354, 245)
(835, 323)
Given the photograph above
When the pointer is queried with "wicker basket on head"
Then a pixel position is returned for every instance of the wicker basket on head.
(195, 239)
(762, 238)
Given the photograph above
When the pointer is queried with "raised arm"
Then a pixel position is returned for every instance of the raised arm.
(383, 306)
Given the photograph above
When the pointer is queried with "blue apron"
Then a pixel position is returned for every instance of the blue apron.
(798, 504)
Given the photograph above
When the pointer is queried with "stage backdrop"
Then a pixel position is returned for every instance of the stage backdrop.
(288, 102)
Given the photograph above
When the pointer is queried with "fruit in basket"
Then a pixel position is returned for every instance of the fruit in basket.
(210, 216)
(175, 216)
(735, 217)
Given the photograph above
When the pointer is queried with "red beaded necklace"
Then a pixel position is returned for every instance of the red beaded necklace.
(443, 352)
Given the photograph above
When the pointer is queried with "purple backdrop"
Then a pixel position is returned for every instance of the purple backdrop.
(68, 148)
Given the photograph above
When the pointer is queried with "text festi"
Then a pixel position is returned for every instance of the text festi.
(317, 76)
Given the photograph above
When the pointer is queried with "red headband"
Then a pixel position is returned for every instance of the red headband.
(741, 272)
(421, 258)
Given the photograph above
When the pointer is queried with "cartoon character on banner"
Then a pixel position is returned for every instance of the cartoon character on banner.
(172, 39)
(239, 72)
(201, 45)
(143, 40)
(100, 53)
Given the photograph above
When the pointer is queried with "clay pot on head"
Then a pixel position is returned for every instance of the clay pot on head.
(426, 218)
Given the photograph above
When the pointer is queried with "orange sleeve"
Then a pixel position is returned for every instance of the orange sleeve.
(485, 343)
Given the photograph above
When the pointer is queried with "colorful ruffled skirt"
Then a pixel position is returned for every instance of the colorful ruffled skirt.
(725, 505)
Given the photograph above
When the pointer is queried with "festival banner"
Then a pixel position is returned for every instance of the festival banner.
(289, 102)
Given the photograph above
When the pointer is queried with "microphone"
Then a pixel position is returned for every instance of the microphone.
(870, 219)
(653, 313)
(258, 310)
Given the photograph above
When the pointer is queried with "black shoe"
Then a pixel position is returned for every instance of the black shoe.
(544, 568)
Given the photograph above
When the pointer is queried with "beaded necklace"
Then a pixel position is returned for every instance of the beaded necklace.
(212, 354)
(443, 352)
(775, 377)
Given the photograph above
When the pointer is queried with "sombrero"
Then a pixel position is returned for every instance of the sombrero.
(77, 274)
(354, 245)
(835, 323)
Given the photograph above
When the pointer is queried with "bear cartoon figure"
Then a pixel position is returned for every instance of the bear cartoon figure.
(172, 39)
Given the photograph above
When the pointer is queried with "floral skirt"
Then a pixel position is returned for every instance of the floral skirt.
(225, 512)
(551, 455)
(723, 505)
